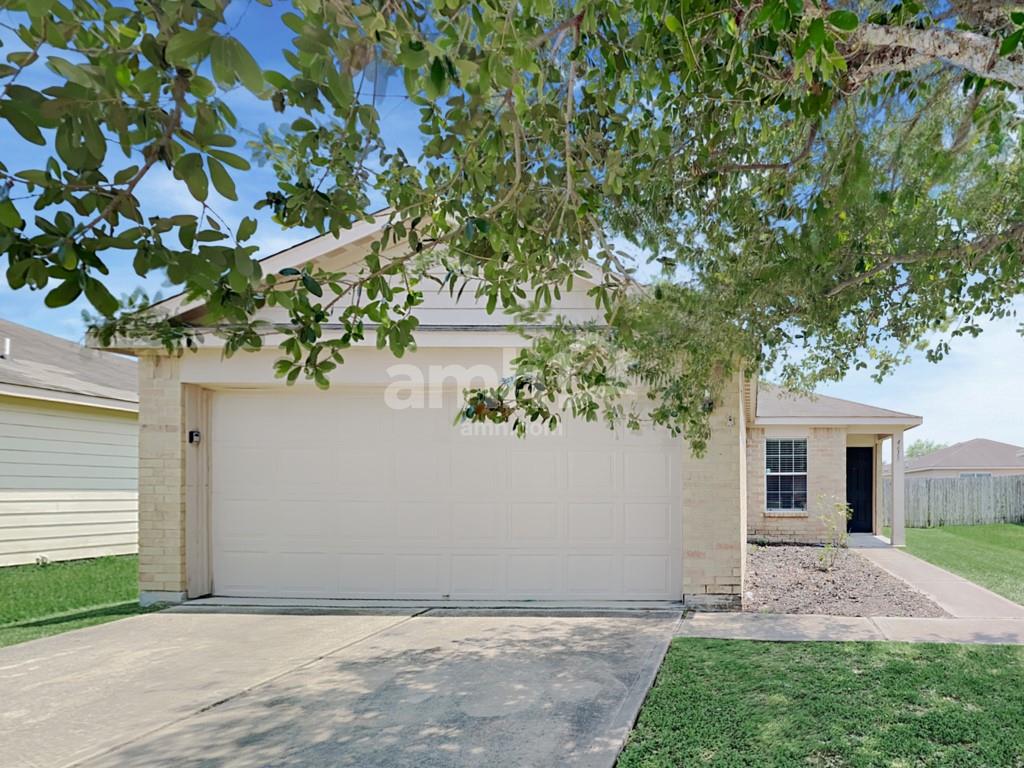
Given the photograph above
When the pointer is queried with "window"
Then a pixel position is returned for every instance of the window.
(786, 474)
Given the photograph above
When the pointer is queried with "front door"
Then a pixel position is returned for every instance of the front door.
(860, 488)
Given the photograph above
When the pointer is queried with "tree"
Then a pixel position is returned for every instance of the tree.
(923, 448)
(814, 181)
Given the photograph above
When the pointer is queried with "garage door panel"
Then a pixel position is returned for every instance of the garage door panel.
(477, 469)
(648, 522)
(355, 500)
(422, 522)
(361, 473)
(366, 521)
(303, 525)
(535, 473)
(479, 522)
(539, 575)
(420, 574)
(535, 523)
(367, 573)
(242, 524)
(591, 473)
(595, 574)
(593, 522)
(647, 473)
(645, 575)
(476, 576)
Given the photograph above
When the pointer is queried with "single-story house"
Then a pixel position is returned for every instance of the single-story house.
(68, 449)
(971, 458)
(251, 488)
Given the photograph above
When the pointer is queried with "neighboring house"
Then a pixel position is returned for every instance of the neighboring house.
(249, 487)
(972, 458)
(68, 449)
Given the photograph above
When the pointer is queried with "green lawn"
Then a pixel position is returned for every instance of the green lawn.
(740, 703)
(989, 555)
(36, 601)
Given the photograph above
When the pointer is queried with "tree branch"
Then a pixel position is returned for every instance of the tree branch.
(968, 251)
(902, 49)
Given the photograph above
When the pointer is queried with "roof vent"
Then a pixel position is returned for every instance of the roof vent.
(6, 354)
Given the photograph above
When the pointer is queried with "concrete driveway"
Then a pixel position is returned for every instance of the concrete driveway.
(440, 688)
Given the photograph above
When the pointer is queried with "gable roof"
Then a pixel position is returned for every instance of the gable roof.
(293, 256)
(970, 454)
(776, 405)
(45, 367)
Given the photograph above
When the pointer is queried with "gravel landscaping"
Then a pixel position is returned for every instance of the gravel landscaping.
(787, 579)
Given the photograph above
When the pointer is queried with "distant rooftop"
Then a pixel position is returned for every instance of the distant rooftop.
(38, 365)
(971, 454)
(777, 403)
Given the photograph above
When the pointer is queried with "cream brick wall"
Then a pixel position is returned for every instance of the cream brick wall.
(714, 510)
(826, 483)
(161, 476)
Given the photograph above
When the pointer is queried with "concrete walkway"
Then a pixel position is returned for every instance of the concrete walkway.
(956, 595)
(976, 614)
(781, 627)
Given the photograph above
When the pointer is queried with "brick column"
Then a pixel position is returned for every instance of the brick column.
(161, 481)
(715, 509)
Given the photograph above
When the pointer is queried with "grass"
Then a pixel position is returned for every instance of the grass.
(729, 703)
(37, 601)
(989, 555)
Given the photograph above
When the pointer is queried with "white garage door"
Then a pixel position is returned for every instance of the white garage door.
(337, 495)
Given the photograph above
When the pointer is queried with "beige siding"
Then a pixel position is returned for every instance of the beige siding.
(68, 481)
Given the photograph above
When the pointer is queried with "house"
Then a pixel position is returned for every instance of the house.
(68, 449)
(971, 458)
(807, 454)
(251, 488)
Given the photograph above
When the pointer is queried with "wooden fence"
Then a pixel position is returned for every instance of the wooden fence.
(931, 501)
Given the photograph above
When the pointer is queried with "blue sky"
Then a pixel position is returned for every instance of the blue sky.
(978, 391)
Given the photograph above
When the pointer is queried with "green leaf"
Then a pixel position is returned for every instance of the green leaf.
(1017, 17)
(438, 83)
(21, 122)
(673, 24)
(189, 44)
(413, 54)
(816, 33)
(246, 229)
(844, 20)
(245, 66)
(69, 71)
(312, 285)
(221, 179)
(1010, 43)
(221, 64)
(228, 158)
(189, 168)
(98, 295)
(9, 216)
(63, 294)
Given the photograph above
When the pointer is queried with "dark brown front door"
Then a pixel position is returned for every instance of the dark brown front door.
(860, 488)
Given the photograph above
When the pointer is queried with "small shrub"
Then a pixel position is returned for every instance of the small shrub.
(834, 518)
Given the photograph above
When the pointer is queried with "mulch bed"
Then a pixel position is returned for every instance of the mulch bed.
(787, 579)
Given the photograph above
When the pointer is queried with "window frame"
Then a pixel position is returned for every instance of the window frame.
(792, 511)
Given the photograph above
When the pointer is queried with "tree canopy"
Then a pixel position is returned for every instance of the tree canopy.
(920, 448)
(819, 187)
